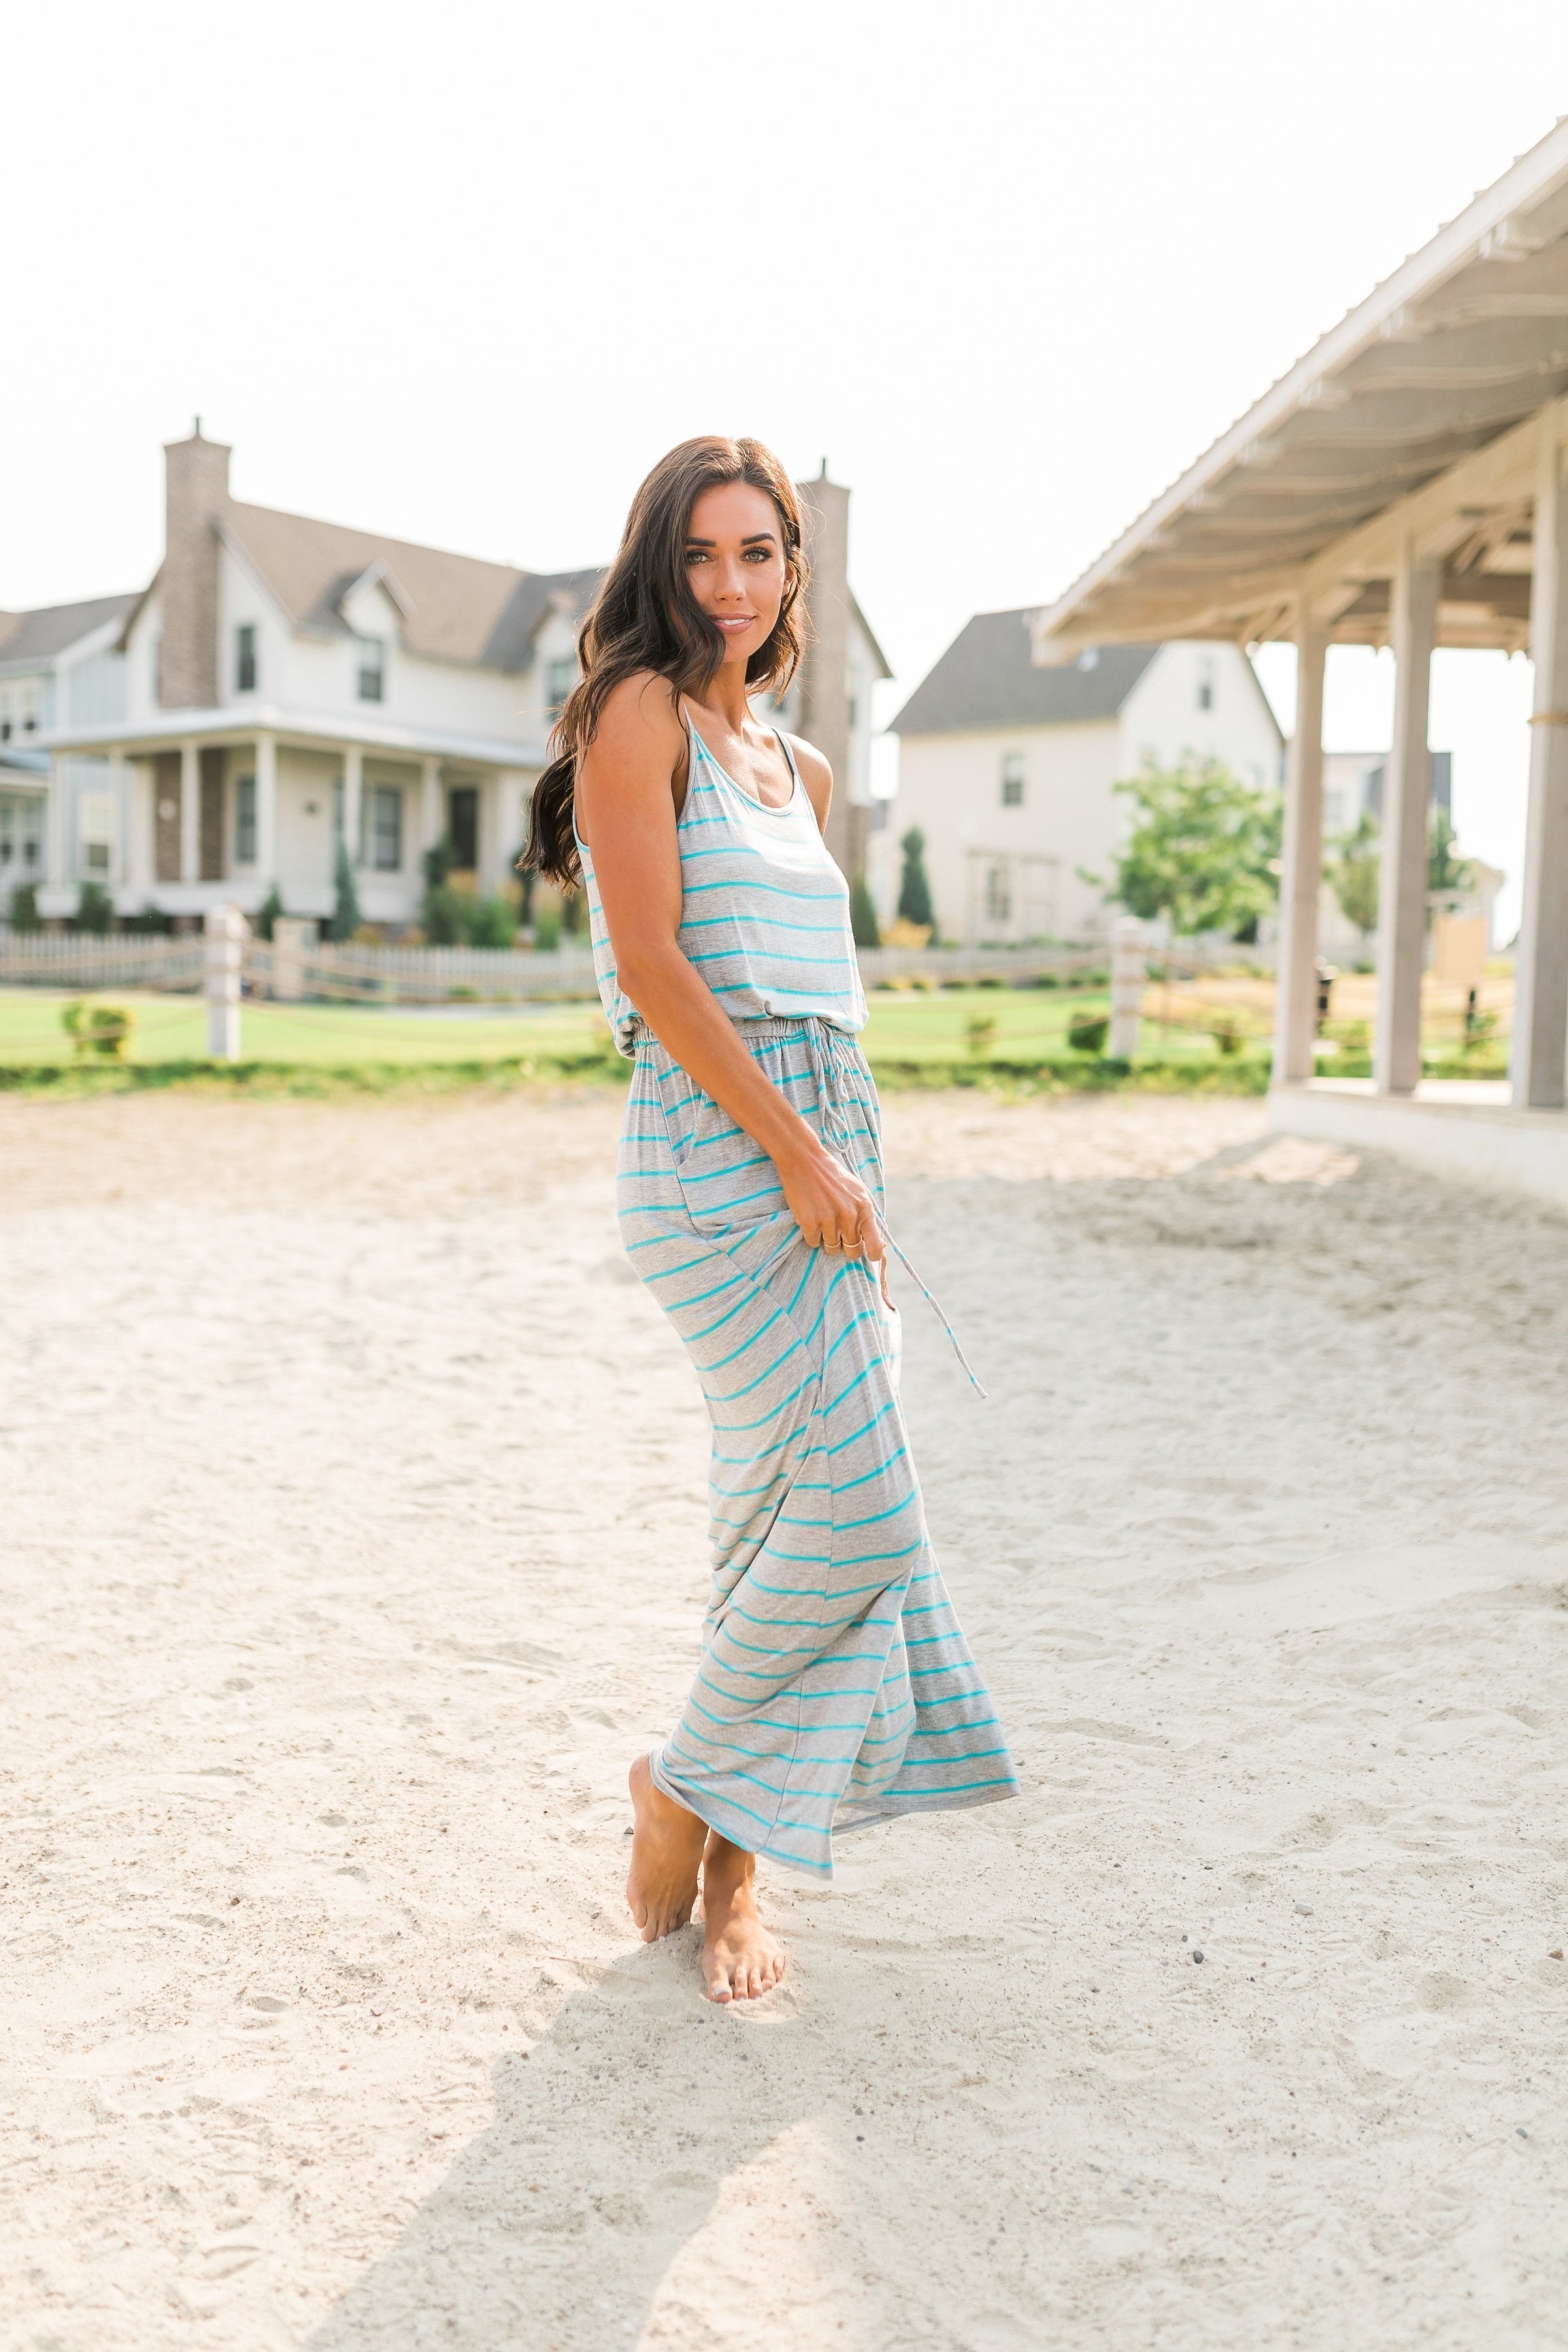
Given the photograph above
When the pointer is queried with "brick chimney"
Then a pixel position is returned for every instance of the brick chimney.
(824, 672)
(196, 494)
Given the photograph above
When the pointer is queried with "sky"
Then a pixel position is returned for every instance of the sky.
(461, 275)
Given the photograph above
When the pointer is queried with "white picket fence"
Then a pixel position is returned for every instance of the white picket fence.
(393, 975)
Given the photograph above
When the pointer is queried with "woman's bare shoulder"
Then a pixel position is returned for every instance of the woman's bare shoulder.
(815, 773)
(640, 714)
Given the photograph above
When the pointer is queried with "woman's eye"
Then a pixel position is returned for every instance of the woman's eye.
(696, 555)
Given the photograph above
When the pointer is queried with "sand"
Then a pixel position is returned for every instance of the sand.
(353, 1508)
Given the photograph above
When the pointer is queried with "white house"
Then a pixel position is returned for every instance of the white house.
(58, 666)
(1007, 768)
(290, 683)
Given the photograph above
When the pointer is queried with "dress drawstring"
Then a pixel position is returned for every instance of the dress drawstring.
(833, 1067)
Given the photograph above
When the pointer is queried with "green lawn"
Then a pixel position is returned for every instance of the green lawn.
(174, 1029)
(906, 1025)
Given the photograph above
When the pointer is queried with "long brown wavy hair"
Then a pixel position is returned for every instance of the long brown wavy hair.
(646, 618)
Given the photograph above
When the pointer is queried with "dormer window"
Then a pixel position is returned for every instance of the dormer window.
(1012, 780)
(370, 659)
(245, 659)
(1206, 683)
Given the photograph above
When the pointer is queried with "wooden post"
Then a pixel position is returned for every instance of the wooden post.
(1128, 974)
(1408, 789)
(1540, 1003)
(290, 936)
(1300, 869)
(226, 933)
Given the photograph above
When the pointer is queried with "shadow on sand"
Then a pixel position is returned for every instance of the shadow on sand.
(614, 2141)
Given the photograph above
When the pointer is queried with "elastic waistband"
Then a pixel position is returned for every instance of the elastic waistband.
(766, 1032)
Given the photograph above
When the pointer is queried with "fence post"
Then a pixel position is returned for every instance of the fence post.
(290, 935)
(1128, 975)
(226, 933)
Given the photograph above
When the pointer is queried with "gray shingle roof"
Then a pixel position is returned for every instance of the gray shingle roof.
(986, 678)
(39, 636)
(461, 609)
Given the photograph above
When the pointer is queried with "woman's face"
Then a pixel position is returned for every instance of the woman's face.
(735, 563)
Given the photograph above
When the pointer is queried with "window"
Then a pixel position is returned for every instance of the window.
(245, 820)
(560, 677)
(369, 655)
(1205, 684)
(95, 831)
(386, 827)
(463, 826)
(998, 895)
(881, 811)
(245, 659)
(1012, 780)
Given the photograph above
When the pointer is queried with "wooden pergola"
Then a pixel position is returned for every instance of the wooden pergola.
(1402, 486)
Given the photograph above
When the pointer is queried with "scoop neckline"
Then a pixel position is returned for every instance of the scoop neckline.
(767, 807)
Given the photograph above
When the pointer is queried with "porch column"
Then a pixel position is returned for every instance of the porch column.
(1300, 868)
(140, 821)
(432, 816)
(190, 813)
(1540, 971)
(121, 874)
(267, 809)
(55, 827)
(1407, 789)
(354, 802)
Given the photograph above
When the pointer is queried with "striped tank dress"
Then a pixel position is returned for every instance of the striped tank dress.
(836, 1688)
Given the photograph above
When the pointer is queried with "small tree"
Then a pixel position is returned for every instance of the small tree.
(266, 914)
(863, 921)
(914, 890)
(491, 923)
(94, 909)
(346, 919)
(1202, 850)
(1448, 876)
(1355, 872)
(526, 878)
(25, 915)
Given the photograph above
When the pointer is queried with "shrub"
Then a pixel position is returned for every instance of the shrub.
(491, 923)
(980, 1033)
(1086, 1033)
(547, 928)
(863, 921)
(345, 918)
(444, 916)
(94, 909)
(266, 914)
(914, 888)
(25, 915)
(101, 1029)
(150, 924)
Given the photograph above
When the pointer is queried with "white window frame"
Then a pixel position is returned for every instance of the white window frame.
(385, 820)
(370, 662)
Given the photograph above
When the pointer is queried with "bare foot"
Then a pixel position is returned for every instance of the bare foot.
(740, 1959)
(666, 1852)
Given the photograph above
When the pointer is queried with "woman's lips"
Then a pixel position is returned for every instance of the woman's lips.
(733, 624)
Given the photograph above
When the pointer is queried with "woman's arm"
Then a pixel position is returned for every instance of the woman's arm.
(625, 812)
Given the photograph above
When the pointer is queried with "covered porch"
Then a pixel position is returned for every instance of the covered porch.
(1402, 486)
(200, 808)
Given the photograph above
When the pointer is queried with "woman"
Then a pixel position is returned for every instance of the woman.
(836, 1688)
